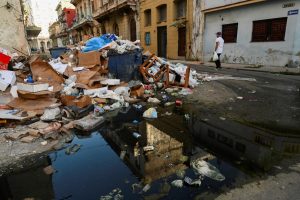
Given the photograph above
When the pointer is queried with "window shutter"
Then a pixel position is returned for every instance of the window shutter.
(260, 31)
(278, 27)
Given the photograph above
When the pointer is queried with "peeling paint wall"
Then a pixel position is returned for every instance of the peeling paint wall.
(12, 31)
(282, 53)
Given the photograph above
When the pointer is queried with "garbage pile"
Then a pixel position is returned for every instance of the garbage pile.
(78, 90)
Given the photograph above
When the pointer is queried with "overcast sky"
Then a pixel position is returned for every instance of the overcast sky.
(44, 14)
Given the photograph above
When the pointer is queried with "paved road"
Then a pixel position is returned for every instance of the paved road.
(272, 101)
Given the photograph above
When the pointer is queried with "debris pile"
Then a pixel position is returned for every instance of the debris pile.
(81, 88)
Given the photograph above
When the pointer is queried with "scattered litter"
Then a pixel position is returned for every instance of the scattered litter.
(191, 182)
(146, 188)
(136, 135)
(116, 194)
(151, 113)
(204, 168)
(50, 114)
(44, 143)
(49, 170)
(148, 148)
(72, 149)
(222, 118)
(122, 155)
(240, 98)
(177, 183)
(153, 100)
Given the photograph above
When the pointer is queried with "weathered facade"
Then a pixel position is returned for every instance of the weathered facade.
(54, 30)
(66, 14)
(166, 27)
(12, 28)
(83, 23)
(117, 16)
(256, 32)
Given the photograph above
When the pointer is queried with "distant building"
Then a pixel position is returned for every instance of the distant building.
(117, 16)
(54, 31)
(43, 13)
(255, 32)
(66, 14)
(83, 22)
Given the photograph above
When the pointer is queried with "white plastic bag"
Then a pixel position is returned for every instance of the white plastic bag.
(215, 57)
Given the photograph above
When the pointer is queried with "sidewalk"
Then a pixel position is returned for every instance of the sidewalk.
(243, 67)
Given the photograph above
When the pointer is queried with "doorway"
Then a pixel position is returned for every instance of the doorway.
(181, 41)
(162, 41)
(132, 30)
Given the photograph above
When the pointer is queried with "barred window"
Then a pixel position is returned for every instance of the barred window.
(269, 30)
(229, 33)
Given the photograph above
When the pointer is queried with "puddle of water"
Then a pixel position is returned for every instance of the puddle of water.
(99, 166)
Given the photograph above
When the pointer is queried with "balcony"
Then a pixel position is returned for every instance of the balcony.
(75, 2)
(33, 31)
(86, 20)
(111, 6)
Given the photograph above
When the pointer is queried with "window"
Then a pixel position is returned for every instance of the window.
(180, 7)
(269, 30)
(147, 14)
(240, 147)
(225, 140)
(147, 39)
(229, 32)
(162, 13)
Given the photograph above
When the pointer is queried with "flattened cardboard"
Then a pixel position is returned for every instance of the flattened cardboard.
(32, 105)
(44, 73)
(89, 59)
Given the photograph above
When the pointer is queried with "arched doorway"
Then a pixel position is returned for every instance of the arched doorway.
(116, 29)
(132, 29)
(42, 46)
(48, 45)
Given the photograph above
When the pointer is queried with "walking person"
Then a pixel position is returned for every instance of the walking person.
(219, 48)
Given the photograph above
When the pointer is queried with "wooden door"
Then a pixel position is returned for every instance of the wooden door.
(132, 30)
(181, 41)
(162, 41)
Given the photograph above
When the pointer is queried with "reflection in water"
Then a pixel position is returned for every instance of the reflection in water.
(33, 183)
(243, 142)
(114, 159)
(171, 145)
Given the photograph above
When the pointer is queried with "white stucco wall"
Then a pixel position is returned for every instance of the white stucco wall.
(260, 53)
(12, 31)
(217, 3)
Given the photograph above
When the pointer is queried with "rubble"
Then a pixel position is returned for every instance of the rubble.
(80, 90)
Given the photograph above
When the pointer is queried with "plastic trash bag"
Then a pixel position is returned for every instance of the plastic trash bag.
(151, 113)
(96, 43)
(204, 168)
(215, 57)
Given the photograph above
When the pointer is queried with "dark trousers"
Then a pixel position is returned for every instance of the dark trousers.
(218, 62)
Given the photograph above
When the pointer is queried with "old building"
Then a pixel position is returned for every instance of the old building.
(83, 23)
(54, 31)
(255, 32)
(12, 28)
(166, 27)
(66, 14)
(117, 16)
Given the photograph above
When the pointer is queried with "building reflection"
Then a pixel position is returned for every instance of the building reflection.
(171, 145)
(243, 142)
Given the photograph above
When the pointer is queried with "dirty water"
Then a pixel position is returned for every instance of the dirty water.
(113, 163)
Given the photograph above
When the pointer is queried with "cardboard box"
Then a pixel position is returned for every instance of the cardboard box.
(89, 59)
(33, 87)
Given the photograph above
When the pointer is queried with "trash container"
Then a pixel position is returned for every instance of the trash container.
(57, 51)
(125, 66)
